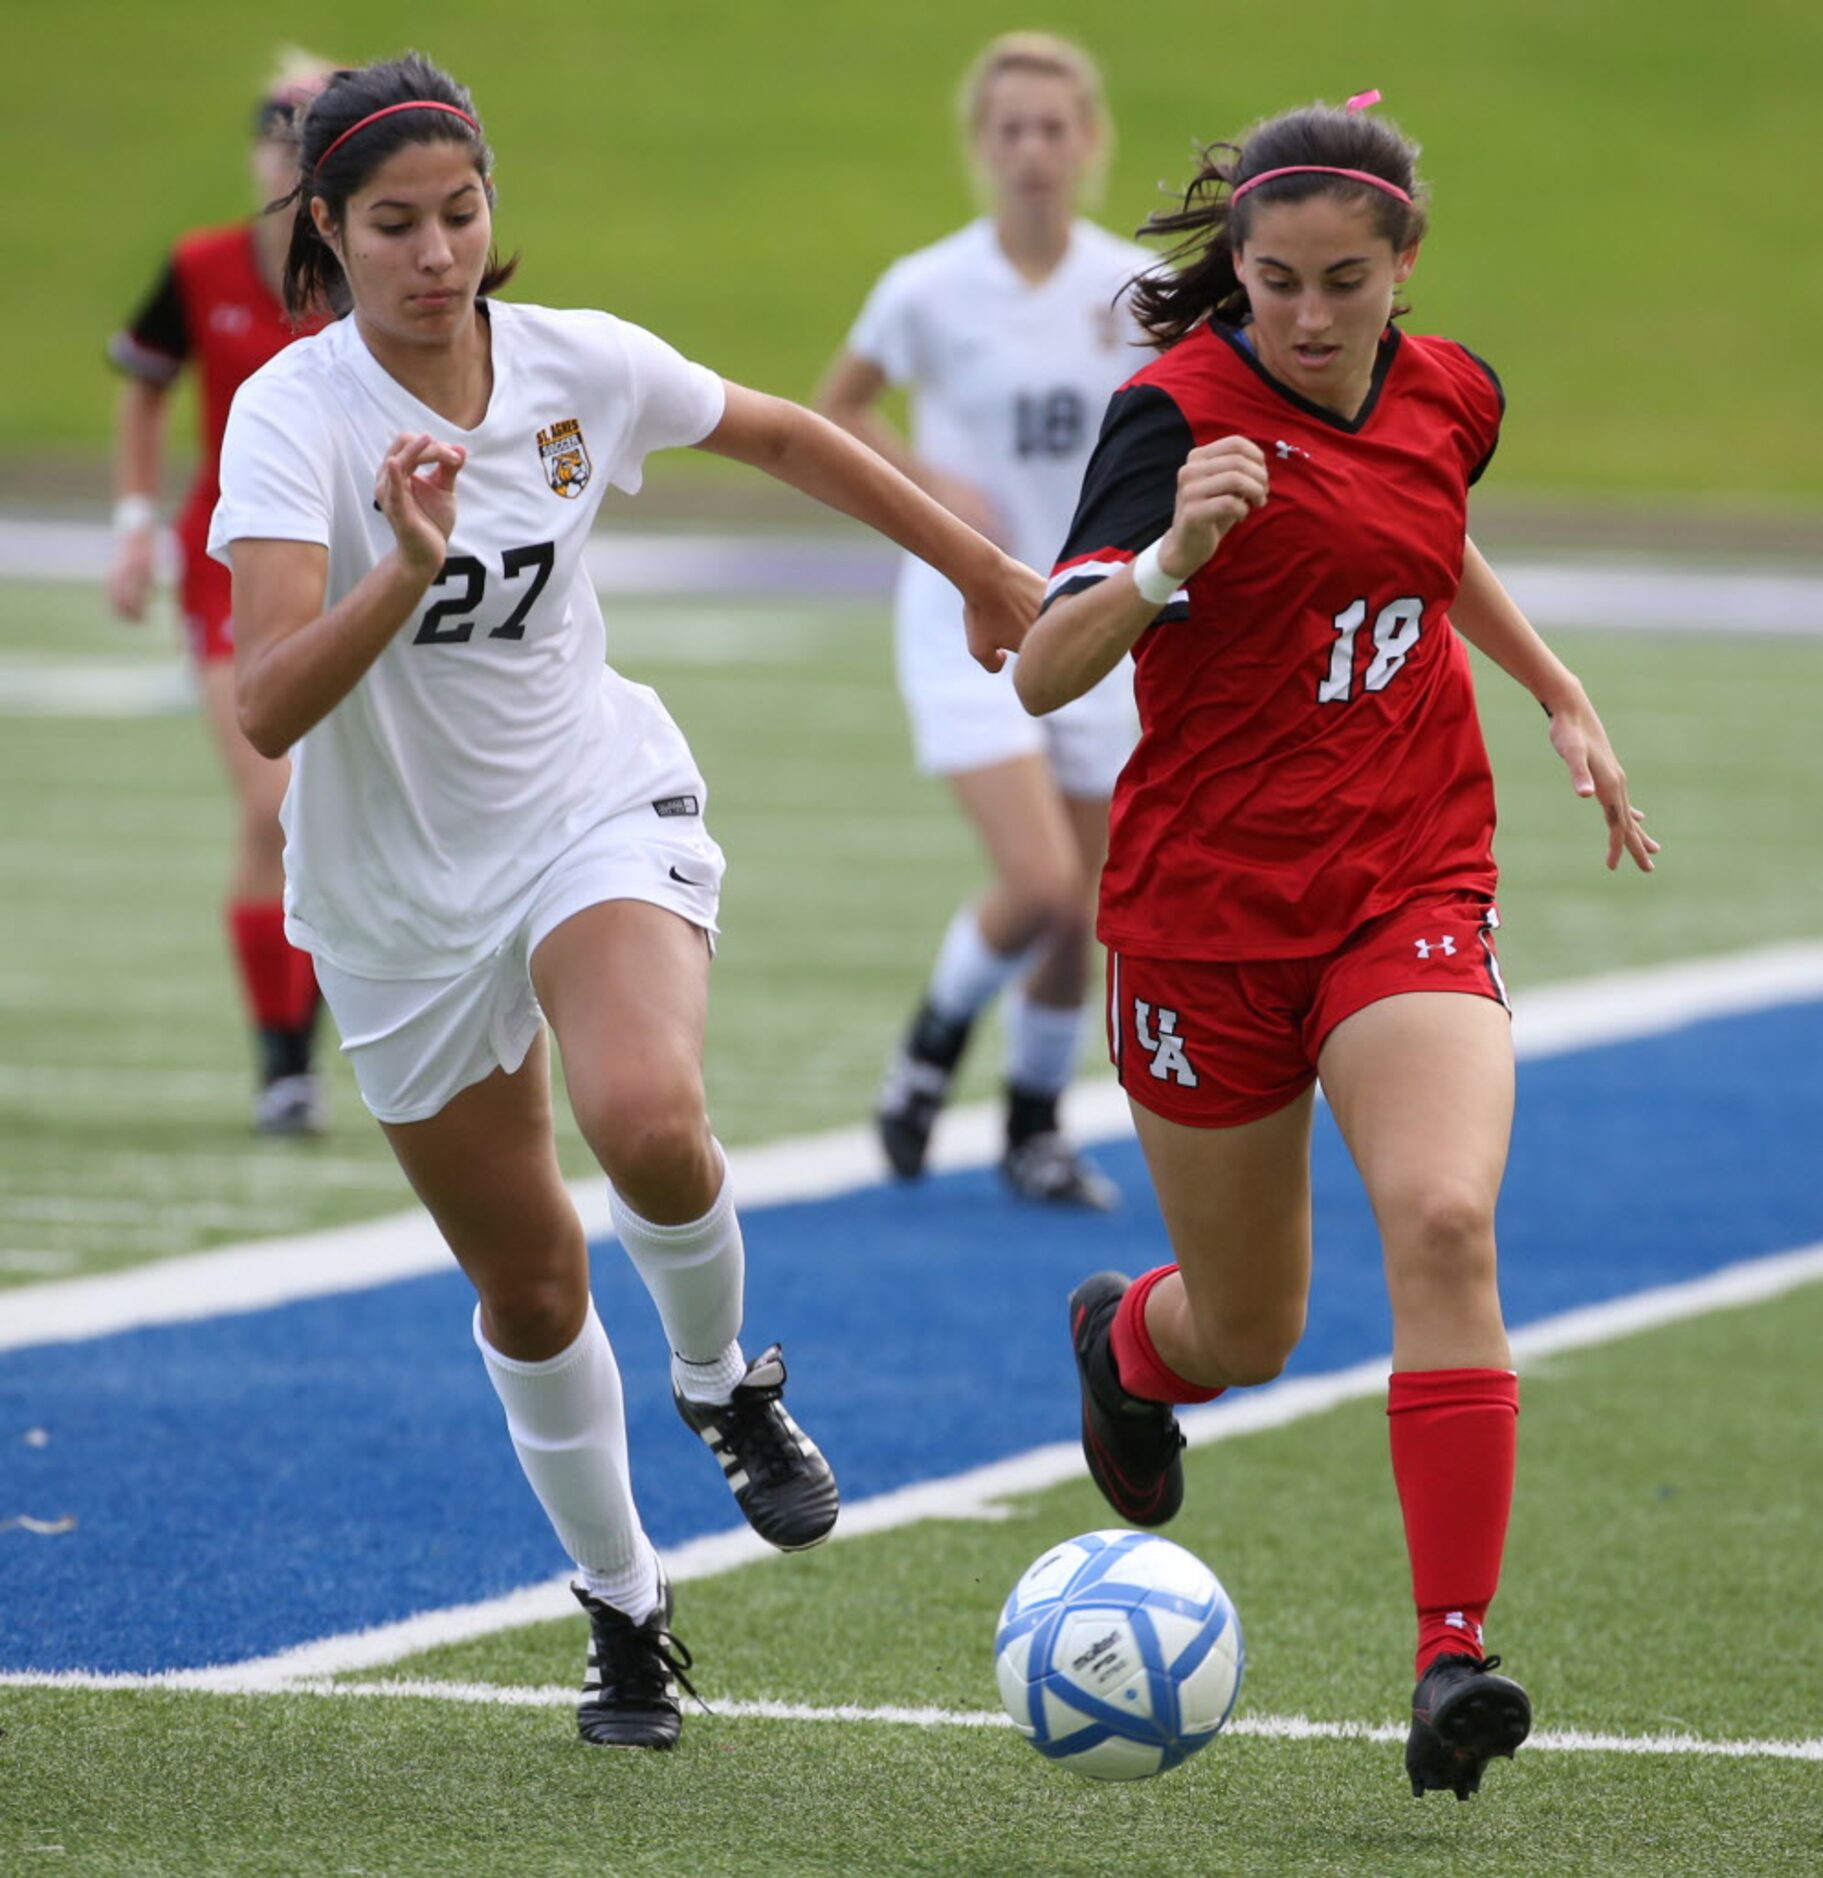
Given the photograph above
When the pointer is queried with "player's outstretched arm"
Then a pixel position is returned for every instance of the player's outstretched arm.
(294, 662)
(1000, 597)
(1489, 618)
(1083, 636)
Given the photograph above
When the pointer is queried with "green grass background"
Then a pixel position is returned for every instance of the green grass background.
(1625, 221)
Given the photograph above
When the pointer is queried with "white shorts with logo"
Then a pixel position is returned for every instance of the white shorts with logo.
(416, 1043)
(964, 718)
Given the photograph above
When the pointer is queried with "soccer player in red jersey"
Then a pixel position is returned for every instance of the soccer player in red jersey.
(216, 307)
(1301, 879)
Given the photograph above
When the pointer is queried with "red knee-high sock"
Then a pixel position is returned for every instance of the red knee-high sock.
(1454, 1434)
(264, 955)
(1143, 1372)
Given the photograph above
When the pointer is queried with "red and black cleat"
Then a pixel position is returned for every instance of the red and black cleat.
(1462, 1716)
(1134, 1448)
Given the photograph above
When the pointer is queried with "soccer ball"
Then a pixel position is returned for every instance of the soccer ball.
(1119, 1655)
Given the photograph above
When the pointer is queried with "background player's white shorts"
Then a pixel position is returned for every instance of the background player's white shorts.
(415, 1043)
(964, 718)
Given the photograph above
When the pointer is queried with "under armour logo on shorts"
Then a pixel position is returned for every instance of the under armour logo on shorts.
(1446, 945)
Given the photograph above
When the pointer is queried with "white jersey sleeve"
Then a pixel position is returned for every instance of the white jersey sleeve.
(885, 333)
(676, 402)
(275, 462)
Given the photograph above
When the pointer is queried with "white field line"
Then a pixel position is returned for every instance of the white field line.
(1552, 1021)
(1256, 1727)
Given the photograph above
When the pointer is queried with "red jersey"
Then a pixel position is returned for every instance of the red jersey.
(212, 306)
(1309, 754)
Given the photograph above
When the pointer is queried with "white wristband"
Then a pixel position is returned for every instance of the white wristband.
(134, 513)
(1156, 587)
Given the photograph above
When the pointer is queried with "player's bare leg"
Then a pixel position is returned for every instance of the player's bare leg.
(279, 981)
(626, 987)
(486, 1167)
(1236, 1203)
(1044, 1022)
(1036, 900)
(1422, 1089)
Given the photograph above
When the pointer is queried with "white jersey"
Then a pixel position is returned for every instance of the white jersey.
(491, 733)
(1008, 379)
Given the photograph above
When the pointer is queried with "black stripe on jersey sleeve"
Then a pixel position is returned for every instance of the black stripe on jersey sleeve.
(1500, 393)
(1129, 490)
(155, 342)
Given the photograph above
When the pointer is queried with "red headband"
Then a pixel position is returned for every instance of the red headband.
(373, 117)
(1317, 169)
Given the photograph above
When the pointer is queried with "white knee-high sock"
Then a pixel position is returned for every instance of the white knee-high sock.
(696, 1274)
(969, 974)
(569, 1430)
(1042, 1044)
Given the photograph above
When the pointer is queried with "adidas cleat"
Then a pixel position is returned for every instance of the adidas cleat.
(778, 1475)
(1462, 1716)
(1047, 1168)
(629, 1692)
(1134, 1448)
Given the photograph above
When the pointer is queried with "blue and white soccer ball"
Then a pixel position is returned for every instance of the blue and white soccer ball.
(1119, 1655)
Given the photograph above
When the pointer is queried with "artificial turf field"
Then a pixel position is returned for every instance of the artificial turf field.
(1663, 1570)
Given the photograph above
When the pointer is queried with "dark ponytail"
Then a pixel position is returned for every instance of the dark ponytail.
(333, 169)
(1201, 282)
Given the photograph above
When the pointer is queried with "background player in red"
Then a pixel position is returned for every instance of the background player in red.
(215, 306)
(1301, 876)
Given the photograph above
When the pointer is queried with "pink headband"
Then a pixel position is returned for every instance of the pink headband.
(1361, 101)
(373, 117)
(1317, 169)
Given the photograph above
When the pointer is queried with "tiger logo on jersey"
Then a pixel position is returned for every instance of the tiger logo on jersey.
(565, 458)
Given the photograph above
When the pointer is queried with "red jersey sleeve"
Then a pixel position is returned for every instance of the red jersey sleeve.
(1485, 402)
(155, 342)
(1129, 491)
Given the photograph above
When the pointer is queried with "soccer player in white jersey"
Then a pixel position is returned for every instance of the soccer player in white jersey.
(487, 826)
(1011, 334)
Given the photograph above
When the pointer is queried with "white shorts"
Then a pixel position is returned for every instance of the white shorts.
(964, 718)
(416, 1043)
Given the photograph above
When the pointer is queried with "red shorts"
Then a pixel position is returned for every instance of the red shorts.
(205, 599)
(1213, 1045)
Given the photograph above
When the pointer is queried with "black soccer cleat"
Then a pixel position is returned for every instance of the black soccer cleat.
(915, 1088)
(1462, 1716)
(778, 1474)
(1046, 1168)
(629, 1691)
(1134, 1448)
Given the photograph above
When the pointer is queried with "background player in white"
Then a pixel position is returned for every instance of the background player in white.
(1012, 334)
(487, 824)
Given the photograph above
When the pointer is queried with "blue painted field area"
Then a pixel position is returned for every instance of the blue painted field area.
(256, 1481)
